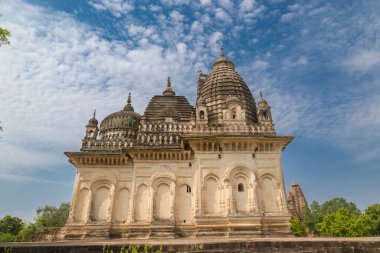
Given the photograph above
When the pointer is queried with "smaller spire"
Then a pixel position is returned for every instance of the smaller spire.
(221, 50)
(129, 98)
(168, 91)
(261, 99)
(129, 106)
(93, 122)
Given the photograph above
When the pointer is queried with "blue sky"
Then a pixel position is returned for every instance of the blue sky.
(316, 62)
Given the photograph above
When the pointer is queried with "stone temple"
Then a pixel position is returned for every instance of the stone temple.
(178, 170)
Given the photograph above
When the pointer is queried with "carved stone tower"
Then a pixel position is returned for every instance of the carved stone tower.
(297, 203)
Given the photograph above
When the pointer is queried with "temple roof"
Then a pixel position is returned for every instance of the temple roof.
(169, 105)
(222, 82)
(124, 119)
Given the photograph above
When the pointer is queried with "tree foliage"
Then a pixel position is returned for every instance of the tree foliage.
(317, 212)
(51, 216)
(343, 223)
(13, 229)
(297, 227)
(11, 225)
(373, 211)
(4, 34)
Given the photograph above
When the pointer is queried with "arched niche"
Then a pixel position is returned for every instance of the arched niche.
(142, 203)
(240, 193)
(101, 203)
(242, 186)
(163, 202)
(211, 195)
(268, 194)
(80, 213)
(184, 204)
(122, 206)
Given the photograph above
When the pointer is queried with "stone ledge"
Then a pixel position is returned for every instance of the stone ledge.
(254, 245)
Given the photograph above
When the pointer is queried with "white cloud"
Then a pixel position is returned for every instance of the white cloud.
(247, 5)
(226, 4)
(291, 62)
(215, 41)
(205, 2)
(52, 82)
(197, 27)
(175, 2)
(223, 15)
(364, 60)
(260, 65)
(176, 16)
(116, 7)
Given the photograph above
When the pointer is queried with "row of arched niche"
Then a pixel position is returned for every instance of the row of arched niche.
(164, 200)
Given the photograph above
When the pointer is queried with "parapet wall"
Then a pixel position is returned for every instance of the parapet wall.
(267, 245)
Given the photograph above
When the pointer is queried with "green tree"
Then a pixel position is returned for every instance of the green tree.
(51, 216)
(317, 212)
(29, 232)
(343, 223)
(297, 227)
(11, 225)
(312, 216)
(4, 34)
(362, 225)
(336, 224)
(373, 211)
(336, 204)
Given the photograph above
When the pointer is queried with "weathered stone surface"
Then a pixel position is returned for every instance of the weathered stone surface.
(297, 203)
(263, 245)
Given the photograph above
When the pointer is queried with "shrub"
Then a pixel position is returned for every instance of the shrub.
(297, 227)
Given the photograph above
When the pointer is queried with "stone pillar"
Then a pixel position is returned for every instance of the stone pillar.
(110, 208)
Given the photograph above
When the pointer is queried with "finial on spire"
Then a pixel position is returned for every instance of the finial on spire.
(221, 49)
(261, 94)
(129, 106)
(94, 113)
(168, 90)
(129, 98)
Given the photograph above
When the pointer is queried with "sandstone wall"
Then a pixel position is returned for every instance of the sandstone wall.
(290, 245)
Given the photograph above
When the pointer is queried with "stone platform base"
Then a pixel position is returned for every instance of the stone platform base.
(257, 245)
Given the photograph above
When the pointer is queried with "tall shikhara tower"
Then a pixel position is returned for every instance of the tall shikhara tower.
(183, 171)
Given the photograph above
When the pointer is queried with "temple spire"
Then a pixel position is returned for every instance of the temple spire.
(168, 91)
(129, 98)
(94, 114)
(129, 106)
(221, 50)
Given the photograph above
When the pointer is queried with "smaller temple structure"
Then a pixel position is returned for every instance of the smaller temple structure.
(297, 203)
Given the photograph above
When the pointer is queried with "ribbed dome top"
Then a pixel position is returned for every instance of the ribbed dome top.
(221, 82)
(125, 120)
(169, 105)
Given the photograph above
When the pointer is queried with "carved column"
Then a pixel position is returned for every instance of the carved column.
(173, 194)
(256, 195)
(110, 207)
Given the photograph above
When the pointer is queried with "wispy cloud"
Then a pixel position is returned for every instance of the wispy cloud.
(364, 60)
(116, 7)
